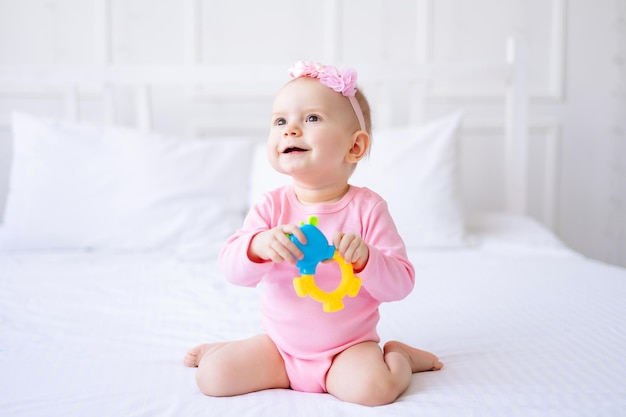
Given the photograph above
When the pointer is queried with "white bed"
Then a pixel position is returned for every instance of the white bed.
(108, 275)
(524, 326)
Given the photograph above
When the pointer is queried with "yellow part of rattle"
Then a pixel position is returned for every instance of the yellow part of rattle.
(332, 300)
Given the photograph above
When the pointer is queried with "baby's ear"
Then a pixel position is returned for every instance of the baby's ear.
(360, 146)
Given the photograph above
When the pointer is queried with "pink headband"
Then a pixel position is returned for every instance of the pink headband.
(342, 81)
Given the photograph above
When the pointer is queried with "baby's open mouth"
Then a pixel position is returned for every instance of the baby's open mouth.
(293, 149)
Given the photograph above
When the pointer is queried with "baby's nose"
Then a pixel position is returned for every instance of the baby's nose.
(291, 130)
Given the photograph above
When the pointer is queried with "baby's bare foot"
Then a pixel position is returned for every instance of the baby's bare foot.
(194, 355)
(420, 359)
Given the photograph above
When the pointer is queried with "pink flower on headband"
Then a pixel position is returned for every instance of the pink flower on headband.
(341, 81)
(305, 69)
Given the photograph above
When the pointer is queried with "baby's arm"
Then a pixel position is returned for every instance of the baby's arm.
(246, 257)
(385, 271)
(259, 247)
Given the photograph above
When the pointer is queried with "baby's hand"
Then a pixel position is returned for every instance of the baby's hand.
(275, 245)
(352, 249)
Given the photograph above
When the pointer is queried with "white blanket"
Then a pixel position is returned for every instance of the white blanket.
(523, 325)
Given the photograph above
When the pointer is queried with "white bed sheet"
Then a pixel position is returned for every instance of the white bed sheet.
(524, 326)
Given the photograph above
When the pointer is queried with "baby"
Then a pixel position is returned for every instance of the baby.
(320, 130)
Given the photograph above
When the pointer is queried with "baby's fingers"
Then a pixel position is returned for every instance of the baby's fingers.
(283, 244)
(350, 250)
(351, 247)
(279, 253)
(290, 229)
(342, 243)
(285, 251)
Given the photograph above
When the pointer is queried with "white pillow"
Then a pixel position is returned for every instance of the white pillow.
(415, 169)
(80, 186)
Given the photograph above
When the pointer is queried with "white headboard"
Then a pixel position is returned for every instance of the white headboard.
(199, 100)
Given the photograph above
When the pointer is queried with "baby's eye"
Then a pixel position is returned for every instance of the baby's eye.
(312, 118)
(280, 121)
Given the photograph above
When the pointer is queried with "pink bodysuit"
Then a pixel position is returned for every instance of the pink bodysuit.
(307, 337)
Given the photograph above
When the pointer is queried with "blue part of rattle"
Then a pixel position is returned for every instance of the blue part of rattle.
(315, 250)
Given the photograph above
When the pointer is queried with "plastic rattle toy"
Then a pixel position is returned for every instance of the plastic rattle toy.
(316, 250)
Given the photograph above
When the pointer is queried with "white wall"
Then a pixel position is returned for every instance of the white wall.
(593, 186)
(577, 61)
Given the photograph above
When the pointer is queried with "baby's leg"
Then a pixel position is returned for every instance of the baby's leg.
(240, 367)
(364, 374)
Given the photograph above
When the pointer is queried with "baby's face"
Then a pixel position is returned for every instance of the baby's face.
(312, 131)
